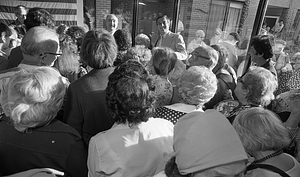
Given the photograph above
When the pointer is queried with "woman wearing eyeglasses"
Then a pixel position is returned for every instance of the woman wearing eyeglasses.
(254, 89)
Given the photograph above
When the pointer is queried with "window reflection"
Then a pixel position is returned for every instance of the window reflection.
(149, 10)
(123, 10)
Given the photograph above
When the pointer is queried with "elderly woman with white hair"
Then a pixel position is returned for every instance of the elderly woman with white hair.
(30, 136)
(200, 35)
(196, 86)
(254, 89)
(263, 136)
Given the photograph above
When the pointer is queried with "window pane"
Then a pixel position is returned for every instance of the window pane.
(123, 10)
(89, 13)
(217, 19)
(149, 10)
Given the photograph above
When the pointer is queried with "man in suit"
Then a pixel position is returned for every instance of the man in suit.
(169, 39)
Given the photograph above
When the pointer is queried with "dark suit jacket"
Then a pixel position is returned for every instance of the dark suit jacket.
(85, 106)
(15, 57)
(176, 43)
(57, 146)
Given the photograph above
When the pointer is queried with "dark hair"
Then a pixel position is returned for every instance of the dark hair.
(123, 39)
(76, 33)
(171, 169)
(164, 60)
(38, 17)
(4, 28)
(262, 44)
(62, 29)
(235, 35)
(98, 49)
(128, 95)
(163, 16)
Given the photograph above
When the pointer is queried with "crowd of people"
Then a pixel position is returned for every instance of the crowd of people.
(91, 103)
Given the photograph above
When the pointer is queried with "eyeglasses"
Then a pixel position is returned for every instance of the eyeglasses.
(50, 53)
(239, 79)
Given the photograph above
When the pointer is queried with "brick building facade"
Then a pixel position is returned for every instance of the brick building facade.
(195, 13)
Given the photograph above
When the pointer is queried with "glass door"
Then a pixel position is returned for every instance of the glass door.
(148, 11)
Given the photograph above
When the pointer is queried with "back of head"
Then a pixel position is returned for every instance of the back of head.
(39, 17)
(34, 97)
(139, 53)
(208, 56)
(128, 96)
(39, 40)
(68, 62)
(123, 39)
(61, 31)
(164, 60)
(76, 33)
(261, 130)
(206, 140)
(98, 49)
(197, 85)
(142, 39)
(223, 55)
(261, 85)
(263, 45)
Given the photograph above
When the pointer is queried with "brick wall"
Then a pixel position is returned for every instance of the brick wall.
(195, 17)
(103, 7)
(289, 15)
(249, 21)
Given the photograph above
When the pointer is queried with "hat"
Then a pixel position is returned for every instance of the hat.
(206, 52)
(205, 140)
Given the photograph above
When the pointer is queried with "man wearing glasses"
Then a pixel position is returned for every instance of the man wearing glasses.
(40, 47)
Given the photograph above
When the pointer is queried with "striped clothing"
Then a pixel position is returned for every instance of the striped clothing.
(63, 11)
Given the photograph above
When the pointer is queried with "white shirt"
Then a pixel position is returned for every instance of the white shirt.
(134, 152)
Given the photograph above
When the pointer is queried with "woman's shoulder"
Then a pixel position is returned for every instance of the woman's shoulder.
(58, 127)
(157, 123)
(157, 127)
(295, 170)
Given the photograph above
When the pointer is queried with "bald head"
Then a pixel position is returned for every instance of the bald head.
(111, 23)
(39, 40)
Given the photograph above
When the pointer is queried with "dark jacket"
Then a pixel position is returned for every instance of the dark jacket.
(85, 107)
(57, 146)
